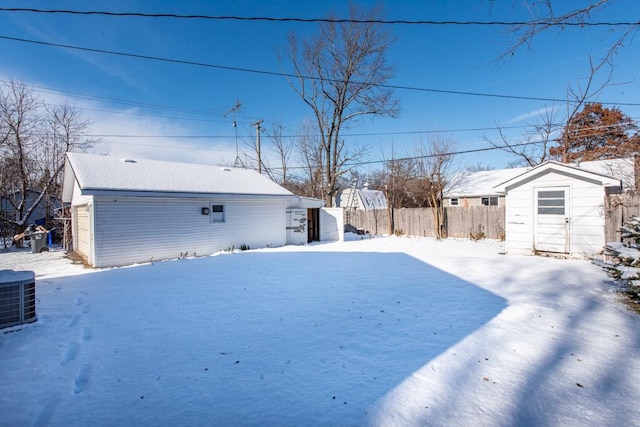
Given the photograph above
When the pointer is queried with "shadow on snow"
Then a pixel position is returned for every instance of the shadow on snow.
(283, 338)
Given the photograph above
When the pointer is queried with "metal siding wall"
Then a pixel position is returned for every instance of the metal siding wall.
(130, 230)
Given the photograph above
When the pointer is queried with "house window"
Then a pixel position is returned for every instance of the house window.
(217, 213)
(454, 202)
(489, 201)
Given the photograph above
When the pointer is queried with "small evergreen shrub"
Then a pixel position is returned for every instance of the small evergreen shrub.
(622, 261)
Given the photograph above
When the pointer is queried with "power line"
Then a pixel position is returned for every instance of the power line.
(282, 74)
(555, 126)
(567, 23)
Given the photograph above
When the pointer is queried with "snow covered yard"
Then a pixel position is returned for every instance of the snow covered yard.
(388, 331)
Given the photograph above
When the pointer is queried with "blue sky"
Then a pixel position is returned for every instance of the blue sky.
(177, 112)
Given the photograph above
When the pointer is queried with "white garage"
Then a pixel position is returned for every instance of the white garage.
(556, 208)
(127, 211)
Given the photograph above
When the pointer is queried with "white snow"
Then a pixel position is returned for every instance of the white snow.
(384, 331)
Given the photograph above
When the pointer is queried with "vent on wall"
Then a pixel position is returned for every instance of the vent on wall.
(17, 297)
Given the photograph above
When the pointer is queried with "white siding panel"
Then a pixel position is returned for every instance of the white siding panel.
(297, 227)
(83, 230)
(130, 229)
(331, 224)
(78, 198)
(519, 221)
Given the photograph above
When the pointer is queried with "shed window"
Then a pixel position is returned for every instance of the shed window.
(489, 201)
(217, 213)
(454, 202)
(551, 202)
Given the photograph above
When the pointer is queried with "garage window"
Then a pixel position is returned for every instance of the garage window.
(551, 202)
(217, 213)
(454, 202)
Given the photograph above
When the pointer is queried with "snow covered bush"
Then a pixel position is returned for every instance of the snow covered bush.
(622, 259)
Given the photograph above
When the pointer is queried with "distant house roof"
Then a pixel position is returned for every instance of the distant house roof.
(372, 199)
(360, 198)
(105, 174)
(484, 183)
(481, 183)
(622, 169)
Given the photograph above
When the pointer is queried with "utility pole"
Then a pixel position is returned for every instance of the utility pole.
(257, 125)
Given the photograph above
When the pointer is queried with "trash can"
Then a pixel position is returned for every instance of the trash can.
(39, 242)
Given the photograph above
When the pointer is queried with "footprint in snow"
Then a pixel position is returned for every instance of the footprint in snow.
(81, 383)
(70, 354)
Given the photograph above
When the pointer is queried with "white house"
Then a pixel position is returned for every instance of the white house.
(556, 208)
(477, 188)
(360, 198)
(127, 211)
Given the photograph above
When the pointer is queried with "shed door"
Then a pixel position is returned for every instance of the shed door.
(551, 233)
(83, 234)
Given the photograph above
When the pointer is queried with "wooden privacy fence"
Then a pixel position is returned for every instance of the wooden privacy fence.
(459, 221)
(618, 209)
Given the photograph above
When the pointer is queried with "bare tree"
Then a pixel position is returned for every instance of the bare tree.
(311, 154)
(435, 162)
(545, 19)
(35, 139)
(275, 158)
(532, 148)
(535, 144)
(340, 75)
(282, 146)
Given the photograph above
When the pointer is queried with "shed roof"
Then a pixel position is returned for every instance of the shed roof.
(97, 174)
(579, 172)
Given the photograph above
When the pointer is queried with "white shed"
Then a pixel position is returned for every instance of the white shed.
(556, 208)
(128, 211)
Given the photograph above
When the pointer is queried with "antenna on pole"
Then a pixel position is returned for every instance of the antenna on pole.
(257, 125)
(235, 127)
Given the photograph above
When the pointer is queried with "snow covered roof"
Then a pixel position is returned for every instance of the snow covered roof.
(360, 199)
(372, 199)
(96, 174)
(622, 169)
(481, 183)
(573, 169)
